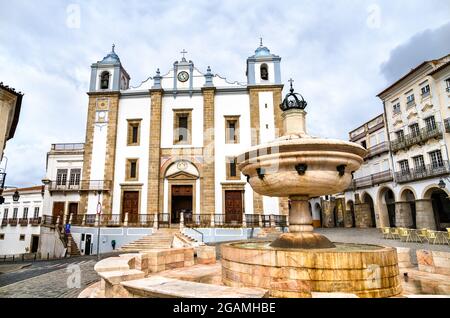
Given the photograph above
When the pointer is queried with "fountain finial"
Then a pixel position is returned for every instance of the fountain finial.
(293, 100)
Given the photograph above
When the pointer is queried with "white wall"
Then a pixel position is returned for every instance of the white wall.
(132, 108)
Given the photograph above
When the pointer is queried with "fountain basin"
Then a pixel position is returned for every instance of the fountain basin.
(277, 162)
(364, 270)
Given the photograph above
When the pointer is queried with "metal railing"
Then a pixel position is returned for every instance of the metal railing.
(68, 147)
(35, 221)
(377, 149)
(280, 220)
(49, 220)
(90, 219)
(12, 221)
(163, 219)
(141, 220)
(198, 220)
(223, 220)
(110, 220)
(426, 171)
(252, 220)
(421, 136)
(77, 219)
(371, 180)
(4, 222)
(265, 220)
(23, 221)
(84, 185)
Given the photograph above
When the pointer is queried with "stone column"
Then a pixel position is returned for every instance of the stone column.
(425, 214)
(155, 222)
(83, 222)
(181, 220)
(244, 221)
(70, 218)
(153, 204)
(300, 222)
(125, 221)
(207, 184)
(363, 217)
(403, 216)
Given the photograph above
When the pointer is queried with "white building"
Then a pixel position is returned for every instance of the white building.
(21, 221)
(170, 144)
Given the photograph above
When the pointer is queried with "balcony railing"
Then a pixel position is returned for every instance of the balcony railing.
(23, 221)
(447, 125)
(12, 221)
(252, 220)
(85, 185)
(68, 147)
(4, 222)
(90, 219)
(49, 220)
(141, 220)
(377, 149)
(371, 180)
(424, 172)
(422, 136)
(223, 220)
(198, 220)
(280, 220)
(110, 220)
(34, 221)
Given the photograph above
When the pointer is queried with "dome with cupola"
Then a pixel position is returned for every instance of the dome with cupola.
(111, 58)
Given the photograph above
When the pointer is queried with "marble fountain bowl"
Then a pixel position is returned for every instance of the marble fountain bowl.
(367, 271)
(294, 166)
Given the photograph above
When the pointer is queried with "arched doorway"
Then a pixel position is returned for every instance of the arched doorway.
(408, 196)
(351, 210)
(368, 200)
(441, 208)
(386, 202)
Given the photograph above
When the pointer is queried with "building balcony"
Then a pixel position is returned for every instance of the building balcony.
(428, 171)
(34, 221)
(49, 220)
(371, 180)
(68, 147)
(447, 125)
(4, 222)
(85, 185)
(12, 221)
(23, 221)
(421, 137)
(377, 149)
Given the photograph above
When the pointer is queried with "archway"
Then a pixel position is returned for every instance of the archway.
(407, 195)
(441, 207)
(351, 210)
(386, 203)
(366, 198)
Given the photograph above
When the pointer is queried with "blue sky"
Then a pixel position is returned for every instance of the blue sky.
(340, 54)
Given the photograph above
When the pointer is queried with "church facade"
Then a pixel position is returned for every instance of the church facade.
(170, 145)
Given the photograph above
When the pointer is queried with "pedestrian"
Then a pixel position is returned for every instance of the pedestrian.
(113, 244)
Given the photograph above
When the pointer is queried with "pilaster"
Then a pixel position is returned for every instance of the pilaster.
(207, 184)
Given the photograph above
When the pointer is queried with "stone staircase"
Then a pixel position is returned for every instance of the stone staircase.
(74, 250)
(162, 238)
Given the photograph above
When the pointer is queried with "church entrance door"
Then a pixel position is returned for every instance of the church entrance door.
(233, 206)
(181, 202)
(130, 205)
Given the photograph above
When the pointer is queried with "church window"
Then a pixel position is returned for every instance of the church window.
(231, 168)
(104, 80)
(232, 129)
(134, 132)
(182, 127)
(132, 170)
(264, 72)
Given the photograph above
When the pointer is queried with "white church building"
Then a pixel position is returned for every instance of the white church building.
(169, 146)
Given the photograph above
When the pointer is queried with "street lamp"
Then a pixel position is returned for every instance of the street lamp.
(16, 196)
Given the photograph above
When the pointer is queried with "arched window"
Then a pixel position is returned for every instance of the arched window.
(264, 70)
(104, 80)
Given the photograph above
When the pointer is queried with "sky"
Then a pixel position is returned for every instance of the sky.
(340, 53)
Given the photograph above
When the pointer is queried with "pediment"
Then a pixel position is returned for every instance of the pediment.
(182, 175)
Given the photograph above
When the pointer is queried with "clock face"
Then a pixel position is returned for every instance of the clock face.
(183, 76)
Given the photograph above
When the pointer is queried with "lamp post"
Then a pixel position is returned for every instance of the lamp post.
(99, 212)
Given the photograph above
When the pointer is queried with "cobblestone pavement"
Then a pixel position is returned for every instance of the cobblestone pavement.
(65, 279)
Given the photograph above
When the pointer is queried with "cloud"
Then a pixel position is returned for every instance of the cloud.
(328, 48)
(427, 45)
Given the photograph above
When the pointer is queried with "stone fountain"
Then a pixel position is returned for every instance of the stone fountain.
(300, 262)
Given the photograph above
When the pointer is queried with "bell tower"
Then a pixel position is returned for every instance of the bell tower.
(265, 88)
(263, 68)
(108, 78)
